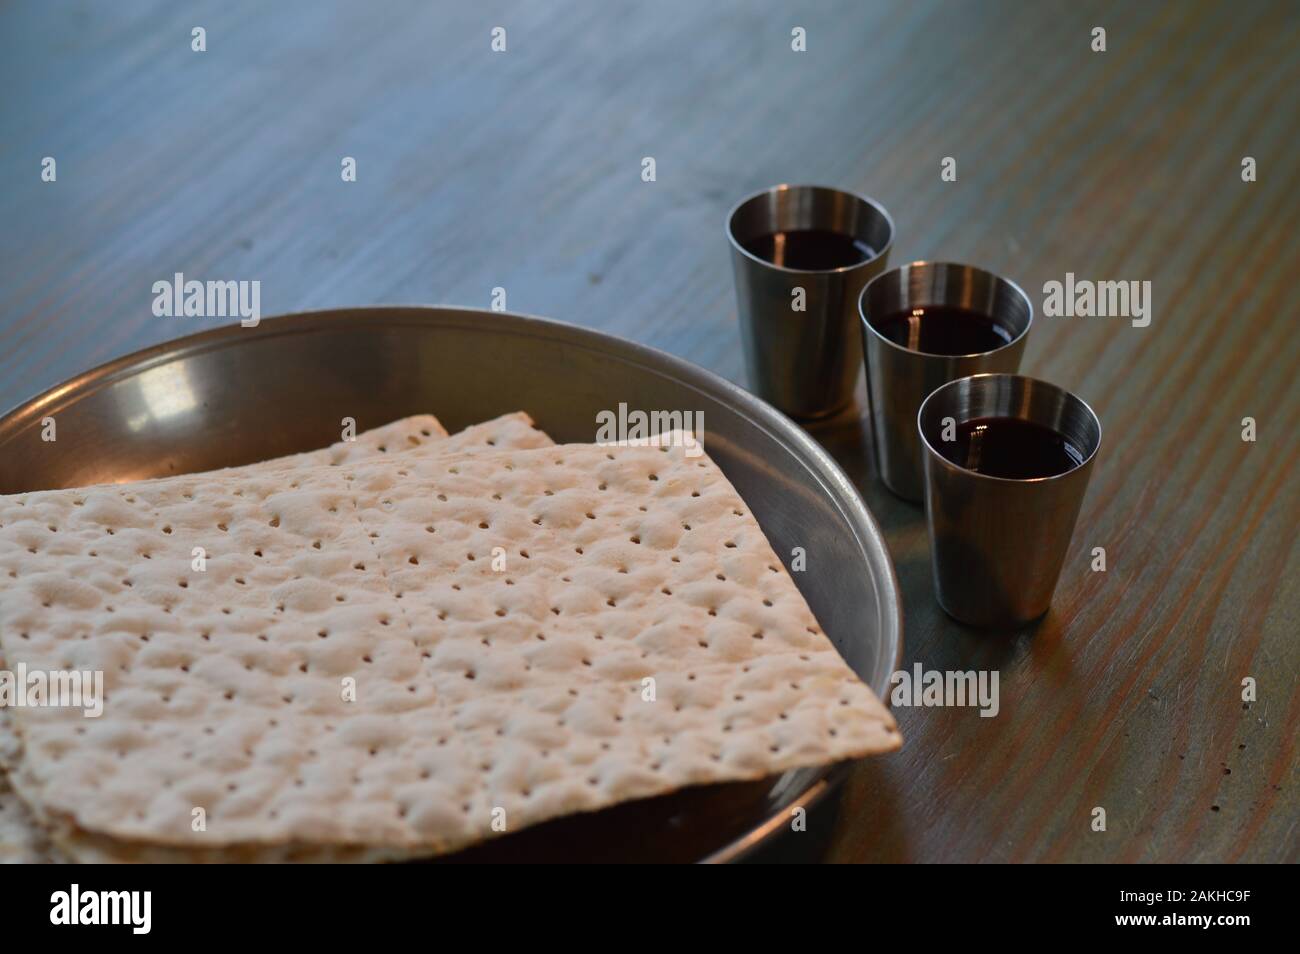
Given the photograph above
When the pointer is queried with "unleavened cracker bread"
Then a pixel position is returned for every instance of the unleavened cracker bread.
(22, 839)
(639, 636)
(60, 842)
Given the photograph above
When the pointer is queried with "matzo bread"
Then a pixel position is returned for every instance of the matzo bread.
(478, 689)
(57, 841)
(21, 838)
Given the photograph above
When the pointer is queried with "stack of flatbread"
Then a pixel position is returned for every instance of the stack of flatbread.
(399, 646)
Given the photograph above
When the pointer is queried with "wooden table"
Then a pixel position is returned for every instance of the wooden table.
(522, 170)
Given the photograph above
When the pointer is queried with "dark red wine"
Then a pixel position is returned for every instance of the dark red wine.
(942, 329)
(1011, 447)
(812, 250)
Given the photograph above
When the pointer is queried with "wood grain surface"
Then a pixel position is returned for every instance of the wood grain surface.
(522, 170)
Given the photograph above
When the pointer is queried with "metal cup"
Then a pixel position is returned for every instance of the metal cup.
(898, 379)
(803, 361)
(997, 545)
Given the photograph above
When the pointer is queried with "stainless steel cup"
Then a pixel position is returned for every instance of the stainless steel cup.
(805, 361)
(997, 545)
(899, 379)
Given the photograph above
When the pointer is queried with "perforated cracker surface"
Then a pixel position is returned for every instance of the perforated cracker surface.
(23, 839)
(621, 565)
(516, 693)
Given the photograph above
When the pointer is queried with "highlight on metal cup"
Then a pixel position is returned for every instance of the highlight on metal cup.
(925, 324)
(801, 255)
(1007, 463)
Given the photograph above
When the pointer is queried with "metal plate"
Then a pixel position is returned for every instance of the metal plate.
(235, 395)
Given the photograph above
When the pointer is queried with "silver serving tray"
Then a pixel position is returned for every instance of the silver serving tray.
(235, 395)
